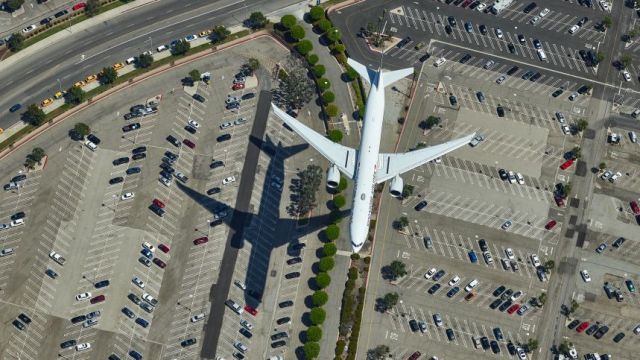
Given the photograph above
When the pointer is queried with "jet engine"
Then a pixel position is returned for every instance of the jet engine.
(396, 186)
(333, 177)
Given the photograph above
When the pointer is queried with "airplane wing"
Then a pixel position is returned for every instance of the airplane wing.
(390, 165)
(343, 157)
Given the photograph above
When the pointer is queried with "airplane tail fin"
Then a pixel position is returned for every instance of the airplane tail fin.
(374, 77)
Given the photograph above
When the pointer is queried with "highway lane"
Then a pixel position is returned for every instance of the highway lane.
(36, 78)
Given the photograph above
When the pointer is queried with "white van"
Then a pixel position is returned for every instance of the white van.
(439, 62)
(632, 136)
(130, 60)
(471, 285)
(91, 145)
(542, 55)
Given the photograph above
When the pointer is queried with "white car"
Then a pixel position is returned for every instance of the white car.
(501, 79)
(454, 281)
(603, 4)
(507, 224)
(544, 12)
(226, 125)
(534, 20)
(136, 280)
(626, 75)
(83, 296)
(607, 174)
(190, 38)
(193, 123)
(499, 33)
(520, 178)
(573, 29)
(439, 62)
(521, 354)
(246, 324)
(240, 284)
(615, 176)
(585, 275)
(127, 196)
(560, 117)
(512, 177)
(29, 28)
(481, 7)
(430, 273)
(165, 181)
(509, 252)
(150, 299)
(228, 180)
(232, 99)
(565, 129)
(535, 260)
(148, 246)
(198, 317)
(83, 346)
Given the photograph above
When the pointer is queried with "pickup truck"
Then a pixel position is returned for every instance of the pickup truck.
(57, 257)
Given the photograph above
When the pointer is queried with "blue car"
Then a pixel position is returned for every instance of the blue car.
(133, 170)
(147, 253)
(473, 257)
(52, 274)
(15, 108)
(142, 322)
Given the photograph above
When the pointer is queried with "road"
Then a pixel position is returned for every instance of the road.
(36, 78)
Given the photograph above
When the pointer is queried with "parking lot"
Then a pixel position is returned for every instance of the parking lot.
(98, 218)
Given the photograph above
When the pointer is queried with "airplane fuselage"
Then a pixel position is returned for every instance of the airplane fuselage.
(366, 162)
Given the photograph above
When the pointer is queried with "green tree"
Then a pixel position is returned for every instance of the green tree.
(322, 280)
(319, 298)
(430, 122)
(316, 13)
(331, 110)
(625, 59)
(36, 156)
(328, 97)
(312, 59)
(533, 345)
(317, 315)
(329, 249)
(108, 75)
(257, 20)
(602, 166)
(334, 35)
(549, 265)
(324, 84)
(576, 152)
(343, 184)
(324, 25)
(397, 269)
(402, 222)
(600, 56)
(574, 306)
(288, 21)
(297, 32)
(542, 299)
(607, 22)
(15, 42)
(351, 74)
(304, 47)
(311, 350)
(145, 60)
(335, 135)
(390, 300)
(75, 95)
(319, 70)
(339, 201)
(582, 124)
(313, 333)
(34, 115)
(326, 263)
(252, 64)
(565, 346)
(407, 190)
(194, 75)
(332, 232)
(14, 5)
(82, 129)
(181, 47)
(92, 8)
(219, 33)
(380, 352)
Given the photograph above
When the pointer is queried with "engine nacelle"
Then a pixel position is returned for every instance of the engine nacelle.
(333, 177)
(396, 186)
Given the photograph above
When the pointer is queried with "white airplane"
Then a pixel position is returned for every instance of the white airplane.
(366, 165)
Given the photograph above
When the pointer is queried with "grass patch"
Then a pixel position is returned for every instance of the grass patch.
(17, 136)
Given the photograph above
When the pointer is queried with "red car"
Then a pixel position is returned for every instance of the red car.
(161, 264)
(635, 208)
(550, 225)
(165, 248)
(513, 308)
(250, 310)
(582, 327)
(565, 165)
(238, 86)
(201, 240)
(189, 143)
(97, 299)
(158, 203)
(78, 6)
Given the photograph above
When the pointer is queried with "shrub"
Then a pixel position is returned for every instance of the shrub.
(181, 47)
(326, 263)
(339, 201)
(319, 70)
(312, 59)
(334, 35)
(340, 344)
(317, 315)
(329, 249)
(316, 13)
(319, 298)
(336, 217)
(297, 32)
(367, 260)
(322, 280)
(304, 47)
(257, 20)
(339, 48)
(352, 274)
(145, 60)
(194, 75)
(328, 96)
(355, 256)
(343, 184)
(311, 350)
(331, 110)
(288, 21)
(324, 25)
(323, 83)
(108, 75)
(313, 333)
(351, 73)
(332, 232)
(335, 135)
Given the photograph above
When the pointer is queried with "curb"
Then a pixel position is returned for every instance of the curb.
(134, 81)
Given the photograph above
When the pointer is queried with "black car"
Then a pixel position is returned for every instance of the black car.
(557, 93)
(292, 275)
(174, 141)
(512, 49)
(480, 96)
(616, 244)
(166, 174)
(452, 21)
(527, 9)
(434, 288)
(45, 21)
(592, 329)
(139, 150)
(137, 108)
(190, 129)
(68, 344)
(495, 303)
(465, 58)
(602, 331)
(192, 341)
(248, 96)
(142, 322)
(413, 324)
(583, 89)
(294, 260)
(297, 246)
(18, 215)
(522, 39)
(171, 155)
(224, 137)
(512, 70)
(451, 293)
(439, 275)
(246, 333)
(214, 190)
(537, 44)
(233, 105)
(279, 335)
(278, 344)
(136, 355)
(474, 5)
(494, 347)
(483, 245)
(485, 342)
(404, 42)
(120, 161)
(136, 300)
(285, 304)
(199, 98)
(18, 324)
(448, 30)
(450, 334)
(573, 324)
(424, 57)
(583, 21)
(421, 205)
(583, 55)
(500, 111)
(216, 164)
(283, 320)
(157, 210)
(618, 337)
(101, 284)
(483, 29)
(507, 294)
(116, 180)
(78, 319)
(61, 13)
(25, 319)
(505, 305)
(498, 291)
(133, 170)
(131, 127)
(511, 348)
(52, 274)
(527, 75)
(453, 100)
(503, 174)
(498, 334)
(139, 156)
(535, 77)
(18, 178)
